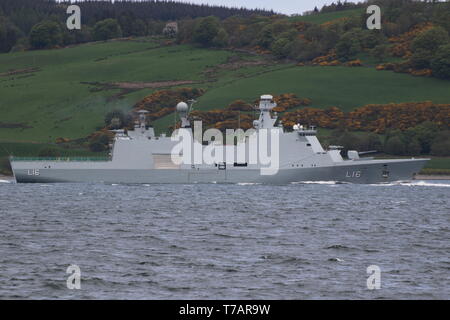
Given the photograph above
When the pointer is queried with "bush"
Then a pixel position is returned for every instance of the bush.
(370, 39)
(116, 119)
(304, 51)
(414, 148)
(240, 105)
(99, 141)
(221, 39)
(5, 166)
(380, 52)
(395, 146)
(107, 29)
(206, 30)
(442, 16)
(9, 35)
(349, 141)
(49, 153)
(430, 40)
(421, 59)
(45, 35)
(370, 142)
(441, 63)
(348, 46)
(281, 47)
(97, 147)
(320, 34)
(425, 133)
(441, 148)
(265, 37)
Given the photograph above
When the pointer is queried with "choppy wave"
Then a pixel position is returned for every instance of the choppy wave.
(427, 184)
(415, 184)
(317, 182)
(252, 242)
(248, 183)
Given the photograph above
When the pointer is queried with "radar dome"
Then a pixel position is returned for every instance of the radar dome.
(182, 107)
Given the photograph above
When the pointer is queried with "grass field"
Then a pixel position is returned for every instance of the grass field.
(343, 87)
(54, 102)
(439, 163)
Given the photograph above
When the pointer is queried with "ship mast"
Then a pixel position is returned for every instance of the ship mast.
(265, 121)
(142, 120)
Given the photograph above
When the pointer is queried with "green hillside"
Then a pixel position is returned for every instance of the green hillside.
(62, 97)
(344, 87)
(56, 99)
(67, 92)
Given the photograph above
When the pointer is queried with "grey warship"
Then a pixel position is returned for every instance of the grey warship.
(140, 157)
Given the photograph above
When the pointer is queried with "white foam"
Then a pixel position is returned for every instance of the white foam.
(425, 184)
(315, 182)
(414, 184)
(5, 181)
(248, 183)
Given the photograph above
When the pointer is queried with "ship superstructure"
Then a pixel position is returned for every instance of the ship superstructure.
(139, 156)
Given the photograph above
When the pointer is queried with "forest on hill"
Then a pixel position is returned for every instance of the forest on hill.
(18, 18)
(414, 37)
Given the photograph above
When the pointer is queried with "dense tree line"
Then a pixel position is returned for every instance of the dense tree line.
(340, 6)
(41, 23)
(424, 139)
(416, 31)
(93, 11)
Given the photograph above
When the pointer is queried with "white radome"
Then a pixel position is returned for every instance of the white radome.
(182, 107)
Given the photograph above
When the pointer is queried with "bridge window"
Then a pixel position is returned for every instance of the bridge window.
(240, 164)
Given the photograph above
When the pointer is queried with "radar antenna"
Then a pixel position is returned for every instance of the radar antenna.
(183, 110)
(142, 119)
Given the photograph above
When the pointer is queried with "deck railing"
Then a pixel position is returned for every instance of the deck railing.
(62, 159)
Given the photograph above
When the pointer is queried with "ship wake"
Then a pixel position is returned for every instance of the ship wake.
(319, 182)
(415, 184)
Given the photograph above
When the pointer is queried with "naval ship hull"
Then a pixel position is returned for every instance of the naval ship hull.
(362, 172)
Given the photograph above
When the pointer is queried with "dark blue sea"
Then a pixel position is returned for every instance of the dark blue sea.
(298, 241)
